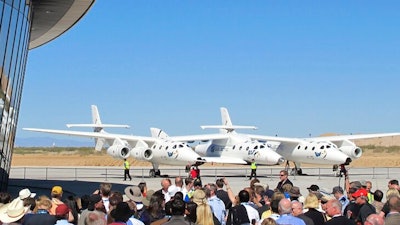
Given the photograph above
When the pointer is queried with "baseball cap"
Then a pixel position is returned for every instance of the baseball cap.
(57, 190)
(313, 187)
(62, 209)
(25, 193)
(360, 192)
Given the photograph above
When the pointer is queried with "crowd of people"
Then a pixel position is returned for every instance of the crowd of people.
(188, 201)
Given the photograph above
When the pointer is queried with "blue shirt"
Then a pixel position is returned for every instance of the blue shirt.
(289, 219)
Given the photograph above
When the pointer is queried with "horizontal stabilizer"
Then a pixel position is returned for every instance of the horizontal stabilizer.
(99, 125)
(228, 127)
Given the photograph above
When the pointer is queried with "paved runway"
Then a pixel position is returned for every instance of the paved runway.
(85, 180)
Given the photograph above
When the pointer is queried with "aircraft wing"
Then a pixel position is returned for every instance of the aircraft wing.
(201, 137)
(263, 138)
(228, 160)
(104, 135)
(352, 137)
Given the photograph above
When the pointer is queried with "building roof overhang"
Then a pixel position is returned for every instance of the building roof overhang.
(51, 18)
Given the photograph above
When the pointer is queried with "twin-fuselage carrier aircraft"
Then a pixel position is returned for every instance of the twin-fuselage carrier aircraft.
(162, 149)
(227, 146)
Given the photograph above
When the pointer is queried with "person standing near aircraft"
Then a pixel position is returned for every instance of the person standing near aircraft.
(253, 167)
(126, 169)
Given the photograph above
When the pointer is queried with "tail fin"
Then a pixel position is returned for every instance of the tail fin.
(97, 127)
(227, 126)
(158, 133)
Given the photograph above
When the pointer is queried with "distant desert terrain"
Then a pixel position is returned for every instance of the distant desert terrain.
(377, 153)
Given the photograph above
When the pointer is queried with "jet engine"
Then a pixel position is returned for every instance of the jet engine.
(119, 151)
(142, 153)
(353, 152)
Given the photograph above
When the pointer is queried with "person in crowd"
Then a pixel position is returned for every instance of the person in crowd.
(190, 212)
(95, 218)
(312, 204)
(338, 192)
(268, 221)
(352, 209)
(377, 203)
(285, 212)
(95, 204)
(42, 213)
(178, 212)
(13, 213)
(204, 215)
(391, 192)
(222, 194)
(394, 184)
(294, 193)
(334, 211)
(165, 184)
(72, 204)
(283, 176)
(105, 191)
(217, 205)
(375, 219)
(62, 212)
(155, 209)
(393, 217)
(143, 188)
(297, 211)
(121, 213)
(361, 196)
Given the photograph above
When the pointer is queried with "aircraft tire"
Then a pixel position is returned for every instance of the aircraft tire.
(152, 173)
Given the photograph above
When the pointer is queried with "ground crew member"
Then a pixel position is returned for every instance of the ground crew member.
(253, 167)
(126, 170)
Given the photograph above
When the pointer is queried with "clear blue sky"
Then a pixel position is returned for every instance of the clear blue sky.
(292, 68)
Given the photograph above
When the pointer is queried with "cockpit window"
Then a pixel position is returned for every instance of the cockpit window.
(180, 146)
(322, 147)
(328, 146)
(256, 147)
(262, 146)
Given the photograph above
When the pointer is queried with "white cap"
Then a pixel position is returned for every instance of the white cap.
(25, 193)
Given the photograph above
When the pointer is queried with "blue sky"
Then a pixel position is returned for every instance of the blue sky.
(292, 68)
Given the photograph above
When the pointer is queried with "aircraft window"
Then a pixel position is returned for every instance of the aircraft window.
(240, 148)
(154, 147)
(160, 147)
(328, 146)
(234, 147)
(166, 148)
(306, 148)
(262, 146)
(298, 147)
(174, 147)
(180, 146)
(256, 147)
(247, 148)
(322, 147)
(313, 148)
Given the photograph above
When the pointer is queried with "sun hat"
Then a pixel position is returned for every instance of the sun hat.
(146, 200)
(14, 211)
(134, 193)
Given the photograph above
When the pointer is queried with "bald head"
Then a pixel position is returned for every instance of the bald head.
(374, 219)
(285, 206)
(297, 208)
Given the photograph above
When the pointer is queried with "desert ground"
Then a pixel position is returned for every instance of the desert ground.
(378, 152)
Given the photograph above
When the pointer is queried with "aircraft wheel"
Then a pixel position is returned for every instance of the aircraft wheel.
(299, 172)
(152, 173)
(158, 173)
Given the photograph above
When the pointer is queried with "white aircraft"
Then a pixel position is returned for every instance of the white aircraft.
(151, 149)
(331, 150)
(229, 146)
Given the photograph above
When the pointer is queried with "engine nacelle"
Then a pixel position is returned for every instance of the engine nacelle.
(119, 151)
(142, 153)
(353, 152)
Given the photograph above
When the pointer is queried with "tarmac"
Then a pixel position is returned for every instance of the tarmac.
(86, 180)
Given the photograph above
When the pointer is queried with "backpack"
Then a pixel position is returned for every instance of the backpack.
(238, 215)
